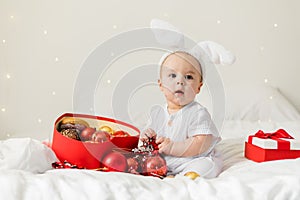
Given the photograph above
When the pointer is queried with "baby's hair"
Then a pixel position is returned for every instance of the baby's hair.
(179, 51)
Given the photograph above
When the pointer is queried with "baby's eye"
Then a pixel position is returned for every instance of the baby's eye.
(172, 75)
(189, 77)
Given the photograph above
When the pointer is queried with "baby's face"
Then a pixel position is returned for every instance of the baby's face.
(180, 79)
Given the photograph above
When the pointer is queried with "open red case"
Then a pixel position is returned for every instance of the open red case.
(89, 154)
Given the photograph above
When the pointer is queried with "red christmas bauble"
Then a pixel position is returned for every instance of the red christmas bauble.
(132, 164)
(120, 134)
(86, 134)
(100, 136)
(154, 165)
(115, 161)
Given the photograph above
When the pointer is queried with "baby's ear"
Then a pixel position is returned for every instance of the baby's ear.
(199, 87)
(159, 84)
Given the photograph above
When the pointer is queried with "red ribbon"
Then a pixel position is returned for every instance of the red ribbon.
(280, 133)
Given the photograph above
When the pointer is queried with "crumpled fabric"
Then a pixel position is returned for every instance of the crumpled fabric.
(26, 154)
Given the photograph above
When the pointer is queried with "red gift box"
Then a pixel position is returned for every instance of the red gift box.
(89, 154)
(271, 146)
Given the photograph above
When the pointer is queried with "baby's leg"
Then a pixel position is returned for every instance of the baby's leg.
(206, 167)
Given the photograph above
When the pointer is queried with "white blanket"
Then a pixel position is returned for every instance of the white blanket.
(25, 173)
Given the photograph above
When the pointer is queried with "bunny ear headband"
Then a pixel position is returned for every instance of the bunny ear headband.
(166, 34)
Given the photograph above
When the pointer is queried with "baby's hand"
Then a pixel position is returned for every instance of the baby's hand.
(147, 134)
(165, 145)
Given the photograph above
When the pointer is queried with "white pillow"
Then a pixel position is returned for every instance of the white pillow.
(258, 103)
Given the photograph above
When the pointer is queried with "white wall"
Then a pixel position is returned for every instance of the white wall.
(43, 45)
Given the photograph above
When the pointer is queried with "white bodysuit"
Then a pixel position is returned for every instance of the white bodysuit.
(193, 119)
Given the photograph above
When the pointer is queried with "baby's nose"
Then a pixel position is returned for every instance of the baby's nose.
(180, 80)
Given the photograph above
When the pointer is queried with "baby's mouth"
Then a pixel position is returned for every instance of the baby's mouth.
(180, 92)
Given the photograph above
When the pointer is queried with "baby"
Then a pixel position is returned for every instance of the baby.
(184, 131)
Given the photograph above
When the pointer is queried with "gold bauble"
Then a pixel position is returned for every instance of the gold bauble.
(107, 129)
(74, 120)
(192, 175)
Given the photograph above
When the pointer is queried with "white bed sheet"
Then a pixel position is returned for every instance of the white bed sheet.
(240, 179)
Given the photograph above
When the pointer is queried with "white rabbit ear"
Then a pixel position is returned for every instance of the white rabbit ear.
(167, 34)
(217, 53)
